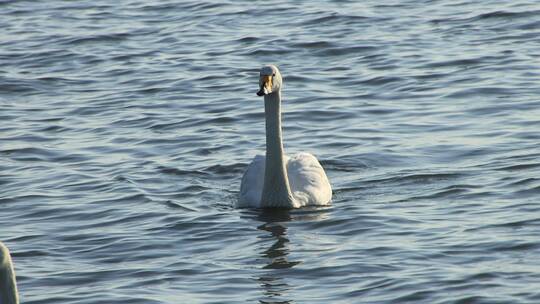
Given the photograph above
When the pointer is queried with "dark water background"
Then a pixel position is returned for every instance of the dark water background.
(125, 127)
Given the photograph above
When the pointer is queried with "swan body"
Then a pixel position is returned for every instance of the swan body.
(277, 180)
(307, 179)
(8, 285)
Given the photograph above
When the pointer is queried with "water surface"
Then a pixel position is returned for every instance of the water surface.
(126, 128)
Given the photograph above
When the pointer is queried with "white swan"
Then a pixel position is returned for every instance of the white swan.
(8, 286)
(277, 181)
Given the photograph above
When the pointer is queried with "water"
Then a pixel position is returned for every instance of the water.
(126, 128)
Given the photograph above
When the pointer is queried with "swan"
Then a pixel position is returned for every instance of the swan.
(276, 180)
(8, 285)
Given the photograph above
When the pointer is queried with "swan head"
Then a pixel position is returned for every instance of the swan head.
(269, 80)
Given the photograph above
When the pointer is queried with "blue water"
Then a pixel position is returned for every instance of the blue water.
(126, 127)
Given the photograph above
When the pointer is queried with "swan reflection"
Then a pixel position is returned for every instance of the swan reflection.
(275, 223)
(277, 262)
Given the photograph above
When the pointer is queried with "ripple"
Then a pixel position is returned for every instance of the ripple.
(340, 51)
(520, 167)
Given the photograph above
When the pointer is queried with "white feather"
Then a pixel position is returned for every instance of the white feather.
(308, 181)
(8, 284)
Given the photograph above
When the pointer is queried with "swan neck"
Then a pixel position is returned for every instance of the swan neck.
(276, 189)
(8, 285)
(274, 141)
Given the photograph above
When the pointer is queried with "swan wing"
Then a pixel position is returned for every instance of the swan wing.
(308, 181)
(252, 183)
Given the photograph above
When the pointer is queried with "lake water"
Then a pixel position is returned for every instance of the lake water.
(126, 127)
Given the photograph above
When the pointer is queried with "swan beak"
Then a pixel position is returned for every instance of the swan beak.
(266, 85)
